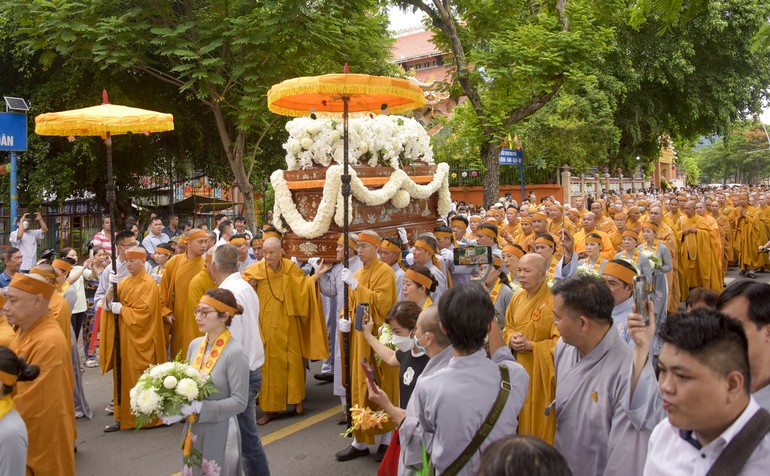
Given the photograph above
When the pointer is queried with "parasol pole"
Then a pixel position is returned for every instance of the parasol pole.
(346, 255)
(110, 187)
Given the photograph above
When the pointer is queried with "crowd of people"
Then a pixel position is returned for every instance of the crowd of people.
(536, 361)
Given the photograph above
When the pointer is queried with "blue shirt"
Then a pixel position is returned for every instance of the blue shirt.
(5, 280)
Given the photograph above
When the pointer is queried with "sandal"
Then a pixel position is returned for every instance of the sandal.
(751, 275)
(112, 428)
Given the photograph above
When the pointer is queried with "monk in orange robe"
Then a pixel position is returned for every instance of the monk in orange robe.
(292, 325)
(697, 254)
(46, 404)
(667, 235)
(589, 226)
(58, 307)
(530, 330)
(174, 293)
(142, 342)
(747, 236)
(201, 283)
(7, 333)
(526, 235)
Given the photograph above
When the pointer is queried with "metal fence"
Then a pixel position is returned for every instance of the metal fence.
(72, 224)
(509, 175)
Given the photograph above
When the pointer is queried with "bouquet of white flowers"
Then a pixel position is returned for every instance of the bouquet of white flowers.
(164, 389)
(589, 270)
(655, 260)
(386, 336)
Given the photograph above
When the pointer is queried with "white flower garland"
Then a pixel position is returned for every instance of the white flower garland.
(331, 205)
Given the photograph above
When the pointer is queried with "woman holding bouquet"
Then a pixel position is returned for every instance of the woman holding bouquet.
(660, 260)
(211, 436)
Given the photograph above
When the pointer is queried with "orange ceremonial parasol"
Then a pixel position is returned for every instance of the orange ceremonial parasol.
(336, 94)
(105, 120)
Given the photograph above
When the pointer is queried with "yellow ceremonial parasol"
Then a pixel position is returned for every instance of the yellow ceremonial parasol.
(105, 120)
(336, 94)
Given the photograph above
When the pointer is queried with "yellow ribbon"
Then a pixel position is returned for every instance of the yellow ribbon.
(198, 364)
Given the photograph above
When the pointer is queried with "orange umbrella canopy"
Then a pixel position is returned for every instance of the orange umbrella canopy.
(102, 119)
(323, 94)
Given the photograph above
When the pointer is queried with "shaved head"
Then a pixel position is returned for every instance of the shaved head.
(534, 260)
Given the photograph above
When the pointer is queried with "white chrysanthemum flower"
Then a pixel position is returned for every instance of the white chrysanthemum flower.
(187, 388)
(169, 382)
(148, 401)
(191, 372)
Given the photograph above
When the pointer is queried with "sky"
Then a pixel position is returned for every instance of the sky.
(400, 19)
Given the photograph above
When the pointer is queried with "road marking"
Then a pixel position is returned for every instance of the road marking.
(291, 429)
(300, 425)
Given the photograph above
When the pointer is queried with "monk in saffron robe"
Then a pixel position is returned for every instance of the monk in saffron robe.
(747, 236)
(174, 293)
(7, 333)
(201, 283)
(373, 284)
(142, 342)
(58, 308)
(531, 333)
(700, 209)
(668, 236)
(725, 234)
(292, 325)
(589, 226)
(526, 233)
(697, 254)
(46, 404)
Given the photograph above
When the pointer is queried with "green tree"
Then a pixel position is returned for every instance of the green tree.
(223, 54)
(741, 156)
(512, 57)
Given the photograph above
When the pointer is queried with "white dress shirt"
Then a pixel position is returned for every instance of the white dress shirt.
(670, 454)
(245, 327)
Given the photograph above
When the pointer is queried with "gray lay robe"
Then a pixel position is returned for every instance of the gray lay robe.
(216, 431)
(593, 431)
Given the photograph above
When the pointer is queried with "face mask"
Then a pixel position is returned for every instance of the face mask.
(641, 208)
(403, 343)
(417, 343)
(25, 225)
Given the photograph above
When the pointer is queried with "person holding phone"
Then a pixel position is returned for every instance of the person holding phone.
(26, 239)
(409, 357)
(375, 284)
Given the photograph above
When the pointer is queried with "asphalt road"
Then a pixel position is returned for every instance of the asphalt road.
(294, 445)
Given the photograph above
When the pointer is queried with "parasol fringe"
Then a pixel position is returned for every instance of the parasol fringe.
(415, 99)
(83, 128)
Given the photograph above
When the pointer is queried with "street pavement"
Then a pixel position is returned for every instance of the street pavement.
(297, 445)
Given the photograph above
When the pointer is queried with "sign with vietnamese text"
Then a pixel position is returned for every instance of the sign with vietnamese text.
(511, 157)
(13, 131)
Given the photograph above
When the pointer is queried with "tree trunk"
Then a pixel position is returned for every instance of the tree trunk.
(490, 153)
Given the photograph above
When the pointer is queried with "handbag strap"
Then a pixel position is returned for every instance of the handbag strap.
(486, 427)
(735, 455)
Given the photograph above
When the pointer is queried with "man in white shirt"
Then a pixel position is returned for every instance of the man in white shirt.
(26, 240)
(705, 383)
(245, 329)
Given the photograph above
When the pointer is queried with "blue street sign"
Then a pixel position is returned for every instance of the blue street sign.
(511, 157)
(13, 131)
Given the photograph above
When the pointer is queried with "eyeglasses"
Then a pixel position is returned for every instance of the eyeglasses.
(199, 310)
